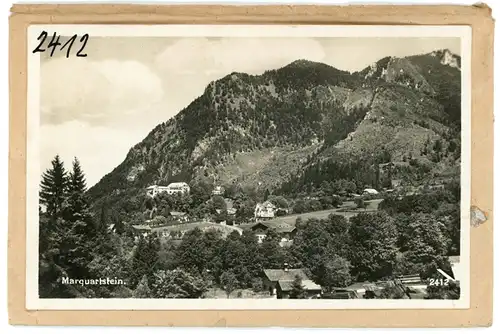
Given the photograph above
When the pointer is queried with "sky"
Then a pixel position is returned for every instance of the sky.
(96, 108)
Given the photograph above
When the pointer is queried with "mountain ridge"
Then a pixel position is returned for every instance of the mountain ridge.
(265, 129)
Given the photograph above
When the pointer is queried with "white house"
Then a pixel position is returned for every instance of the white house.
(172, 188)
(178, 188)
(264, 211)
(370, 191)
(154, 190)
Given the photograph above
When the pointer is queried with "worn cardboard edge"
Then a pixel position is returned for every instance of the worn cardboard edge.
(480, 312)
(264, 13)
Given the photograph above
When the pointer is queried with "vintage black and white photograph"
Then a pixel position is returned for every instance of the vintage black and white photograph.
(266, 167)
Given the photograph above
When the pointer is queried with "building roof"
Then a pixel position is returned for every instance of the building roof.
(275, 275)
(178, 184)
(283, 227)
(142, 227)
(260, 225)
(177, 213)
(156, 186)
(264, 205)
(286, 285)
(370, 191)
(280, 228)
(368, 286)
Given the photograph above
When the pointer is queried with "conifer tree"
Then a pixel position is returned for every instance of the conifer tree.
(76, 234)
(266, 194)
(53, 188)
(76, 208)
(142, 290)
(77, 178)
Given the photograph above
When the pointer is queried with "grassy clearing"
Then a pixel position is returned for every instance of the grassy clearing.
(372, 206)
(268, 167)
(182, 228)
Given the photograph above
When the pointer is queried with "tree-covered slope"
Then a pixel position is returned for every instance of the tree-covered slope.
(273, 129)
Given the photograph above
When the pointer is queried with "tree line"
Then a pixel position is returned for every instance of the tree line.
(334, 251)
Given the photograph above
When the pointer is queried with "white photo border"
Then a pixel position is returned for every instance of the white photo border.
(33, 302)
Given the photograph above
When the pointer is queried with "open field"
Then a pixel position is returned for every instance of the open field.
(204, 226)
(347, 210)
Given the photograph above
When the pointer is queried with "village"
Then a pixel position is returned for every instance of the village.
(266, 215)
(269, 216)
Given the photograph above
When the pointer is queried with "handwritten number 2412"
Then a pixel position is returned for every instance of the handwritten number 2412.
(54, 43)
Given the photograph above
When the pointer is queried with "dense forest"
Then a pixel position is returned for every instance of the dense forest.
(408, 235)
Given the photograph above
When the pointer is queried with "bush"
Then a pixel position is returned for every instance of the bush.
(257, 285)
(177, 284)
(159, 221)
(360, 203)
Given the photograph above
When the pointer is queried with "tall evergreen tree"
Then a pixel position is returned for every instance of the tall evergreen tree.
(267, 193)
(78, 238)
(77, 178)
(142, 290)
(77, 208)
(53, 188)
(53, 191)
(69, 231)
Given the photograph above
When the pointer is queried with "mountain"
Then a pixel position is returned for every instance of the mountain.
(292, 128)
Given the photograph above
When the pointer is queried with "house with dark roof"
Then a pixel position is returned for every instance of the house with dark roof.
(230, 209)
(279, 282)
(143, 230)
(284, 230)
